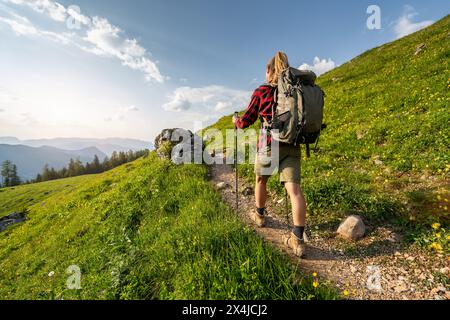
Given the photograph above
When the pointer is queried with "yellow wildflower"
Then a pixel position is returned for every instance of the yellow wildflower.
(346, 293)
(315, 274)
(436, 246)
(315, 284)
(436, 226)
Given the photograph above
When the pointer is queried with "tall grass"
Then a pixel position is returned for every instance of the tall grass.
(387, 113)
(147, 230)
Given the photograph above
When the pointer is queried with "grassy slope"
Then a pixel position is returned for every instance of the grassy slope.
(393, 106)
(19, 198)
(143, 231)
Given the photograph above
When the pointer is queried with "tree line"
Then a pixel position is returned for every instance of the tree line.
(77, 168)
(73, 169)
(9, 175)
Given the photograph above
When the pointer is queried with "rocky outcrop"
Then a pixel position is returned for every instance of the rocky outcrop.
(179, 145)
(11, 219)
(420, 48)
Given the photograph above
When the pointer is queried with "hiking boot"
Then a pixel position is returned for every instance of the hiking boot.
(260, 220)
(297, 245)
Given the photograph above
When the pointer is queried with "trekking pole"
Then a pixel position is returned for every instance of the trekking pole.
(236, 186)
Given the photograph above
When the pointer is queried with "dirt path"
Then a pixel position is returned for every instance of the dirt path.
(403, 272)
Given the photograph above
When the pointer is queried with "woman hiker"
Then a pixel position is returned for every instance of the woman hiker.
(289, 157)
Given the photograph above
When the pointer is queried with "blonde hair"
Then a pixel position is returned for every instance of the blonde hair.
(276, 65)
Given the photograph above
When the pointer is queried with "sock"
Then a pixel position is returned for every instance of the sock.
(299, 232)
(261, 211)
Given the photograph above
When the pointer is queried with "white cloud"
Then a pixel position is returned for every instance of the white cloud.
(221, 105)
(122, 114)
(206, 103)
(405, 25)
(51, 8)
(319, 66)
(178, 103)
(75, 14)
(131, 109)
(101, 37)
(21, 26)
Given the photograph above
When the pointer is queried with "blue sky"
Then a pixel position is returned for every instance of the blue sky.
(131, 68)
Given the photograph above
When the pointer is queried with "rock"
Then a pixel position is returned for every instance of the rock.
(352, 228)
(441, 289)
(248, 192)
(444, 271)
(222, 186)
(420, 48)
(378, 162)
(179, 145)
(400, 287)
(402, 271)
(434, 291)
(393, 237)
(11, 219)
(352, 269)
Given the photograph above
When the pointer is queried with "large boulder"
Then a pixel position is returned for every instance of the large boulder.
(179, 145)
(353, 228)
(11, 219)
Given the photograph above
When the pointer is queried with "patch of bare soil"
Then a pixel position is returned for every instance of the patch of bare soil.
(379, 267)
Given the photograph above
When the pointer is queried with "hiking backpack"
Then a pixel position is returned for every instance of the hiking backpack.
(298, 115)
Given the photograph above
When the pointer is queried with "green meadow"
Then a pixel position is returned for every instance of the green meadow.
(385, 154)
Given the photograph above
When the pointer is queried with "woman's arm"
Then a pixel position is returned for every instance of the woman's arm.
(251, 115)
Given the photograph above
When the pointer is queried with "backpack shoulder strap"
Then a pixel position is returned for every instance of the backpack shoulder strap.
(266, 124)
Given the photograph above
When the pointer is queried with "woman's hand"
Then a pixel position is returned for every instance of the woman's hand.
(235, 119)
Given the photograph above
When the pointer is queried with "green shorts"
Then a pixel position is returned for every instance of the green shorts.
(288, 164)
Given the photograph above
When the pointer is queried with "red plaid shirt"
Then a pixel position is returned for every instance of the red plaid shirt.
(260, 107)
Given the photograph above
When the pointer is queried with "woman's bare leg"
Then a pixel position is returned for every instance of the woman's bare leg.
(298, 204)
(261, 192)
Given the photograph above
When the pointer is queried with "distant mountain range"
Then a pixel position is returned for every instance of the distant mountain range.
(30, 161)
(107, 146)
(31, 156)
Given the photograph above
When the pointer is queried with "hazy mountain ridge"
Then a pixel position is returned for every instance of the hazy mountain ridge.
(31, 160)
(106, 146)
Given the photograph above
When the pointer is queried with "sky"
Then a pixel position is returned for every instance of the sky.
(113, 68)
